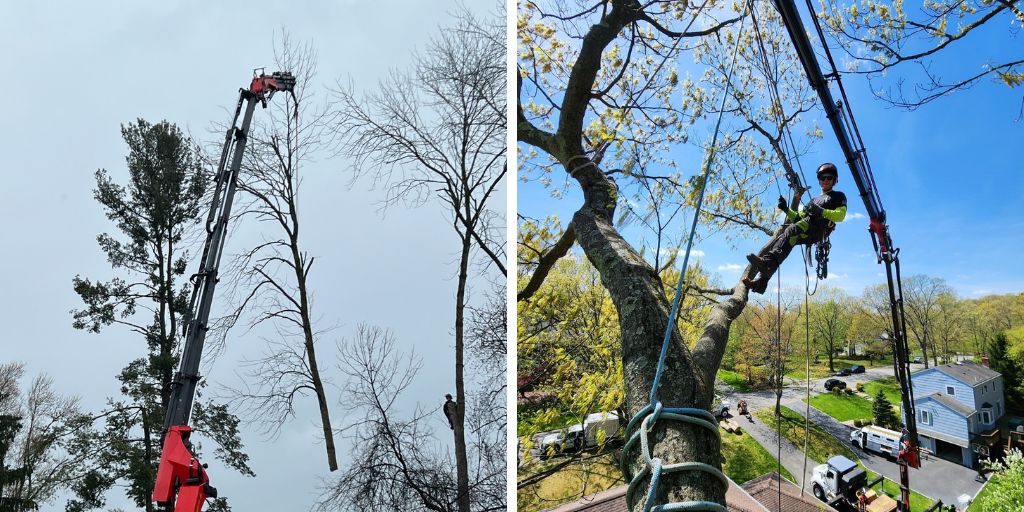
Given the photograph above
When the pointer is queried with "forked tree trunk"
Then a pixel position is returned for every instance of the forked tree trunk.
(688, 377)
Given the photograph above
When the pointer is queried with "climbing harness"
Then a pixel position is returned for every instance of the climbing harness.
(641, 426)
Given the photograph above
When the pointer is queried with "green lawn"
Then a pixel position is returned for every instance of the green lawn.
(888, 386)
(735, 380)
(821, 445)
(842, 407)
(570, 483)
(746, 459)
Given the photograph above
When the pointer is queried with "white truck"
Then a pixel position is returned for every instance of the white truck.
(597, 428)
(877, 439)
(601, 427)
(839, 479)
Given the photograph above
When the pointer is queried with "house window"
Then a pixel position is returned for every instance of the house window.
(986, 416)
(926, 417)
(950, 390)
(984, 389)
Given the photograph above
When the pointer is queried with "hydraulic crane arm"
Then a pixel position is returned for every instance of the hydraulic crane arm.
(182, 484)
(841, 118)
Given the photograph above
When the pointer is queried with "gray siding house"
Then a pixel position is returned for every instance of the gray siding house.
(958, 406)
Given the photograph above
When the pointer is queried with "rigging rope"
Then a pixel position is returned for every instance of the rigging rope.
(807, 367)
(654, 410)
(779, 373)
(776, 98)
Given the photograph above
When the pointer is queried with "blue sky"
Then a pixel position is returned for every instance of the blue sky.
(77, 71)
(949, 174)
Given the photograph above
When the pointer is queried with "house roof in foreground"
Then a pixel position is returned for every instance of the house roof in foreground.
(758, 495)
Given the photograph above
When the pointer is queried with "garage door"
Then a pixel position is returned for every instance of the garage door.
(949, 451)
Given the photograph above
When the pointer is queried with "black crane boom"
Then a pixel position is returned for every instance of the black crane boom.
(182, 484)
(840, 116)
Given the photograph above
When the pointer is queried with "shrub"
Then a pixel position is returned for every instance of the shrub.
(860, 386)
(858, 423)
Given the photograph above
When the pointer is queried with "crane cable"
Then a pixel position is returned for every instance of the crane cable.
(777, 101)
(653, 411)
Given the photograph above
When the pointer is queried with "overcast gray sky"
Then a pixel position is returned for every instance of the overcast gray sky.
(74, 72)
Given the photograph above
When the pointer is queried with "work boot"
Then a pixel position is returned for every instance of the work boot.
(756, 285)
(757, 261)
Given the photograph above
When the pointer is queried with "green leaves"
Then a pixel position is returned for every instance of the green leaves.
(152, 211)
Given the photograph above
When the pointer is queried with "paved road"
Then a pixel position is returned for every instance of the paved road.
(792, 457)
(937, 478)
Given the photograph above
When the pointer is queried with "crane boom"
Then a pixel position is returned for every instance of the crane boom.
(853, 150)
(182, 484)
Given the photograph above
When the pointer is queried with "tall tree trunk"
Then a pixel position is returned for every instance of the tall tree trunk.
(461, 460)
(688, 378)
(307, 333)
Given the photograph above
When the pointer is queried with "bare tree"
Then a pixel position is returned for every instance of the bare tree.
(272, 279)
(922, 301)
(438, 131)
(398, 463)
(831, 321)
(950, 321)
(772, 327)
(48, 425)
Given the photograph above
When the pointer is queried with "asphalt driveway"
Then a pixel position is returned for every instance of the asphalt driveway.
(937, 479)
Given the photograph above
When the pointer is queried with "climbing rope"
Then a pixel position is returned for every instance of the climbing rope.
(781, 374)
(643, 422)
(807, 368)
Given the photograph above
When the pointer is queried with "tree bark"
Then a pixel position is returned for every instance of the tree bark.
(461, 460)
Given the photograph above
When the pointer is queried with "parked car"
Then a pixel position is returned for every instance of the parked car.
(720, 408)
(857, 368)
(834, 383)
(845, 372)
(917, 359)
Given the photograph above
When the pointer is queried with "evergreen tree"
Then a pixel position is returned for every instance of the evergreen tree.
(883, 413)
(1000, 360)
(11, 478)
(154, 212)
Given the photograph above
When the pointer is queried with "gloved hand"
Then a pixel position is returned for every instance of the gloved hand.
(813, 210)
(783, 205)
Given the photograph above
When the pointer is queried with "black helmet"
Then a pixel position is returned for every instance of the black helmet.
(829, 169)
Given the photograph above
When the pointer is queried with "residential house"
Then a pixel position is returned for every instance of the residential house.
(958, 407)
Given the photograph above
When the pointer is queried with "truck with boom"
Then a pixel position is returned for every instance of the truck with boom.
(182, 484)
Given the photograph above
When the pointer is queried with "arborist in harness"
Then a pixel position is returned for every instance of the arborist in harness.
(449, 410)
(812, 224)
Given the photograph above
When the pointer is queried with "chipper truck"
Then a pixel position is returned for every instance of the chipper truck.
(844, 485)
